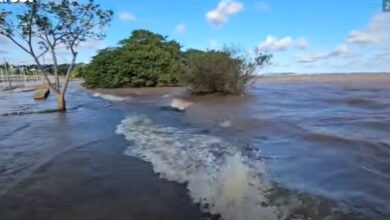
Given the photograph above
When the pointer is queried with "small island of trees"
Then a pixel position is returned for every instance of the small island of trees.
(148, 59)
(145, 59)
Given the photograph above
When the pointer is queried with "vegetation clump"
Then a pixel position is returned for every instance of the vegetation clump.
(145, 59)
(228, 71)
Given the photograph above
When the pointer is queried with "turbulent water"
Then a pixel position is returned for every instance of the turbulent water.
(290, 149)
(110, 97)
(328, 139)
(217, 174)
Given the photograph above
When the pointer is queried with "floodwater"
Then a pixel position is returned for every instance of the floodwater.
(292, 148)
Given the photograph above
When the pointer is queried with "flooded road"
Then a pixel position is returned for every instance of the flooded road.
(72, 166)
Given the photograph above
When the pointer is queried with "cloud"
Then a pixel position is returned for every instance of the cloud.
(360, 37)
(311, 58)
(301, 43)
(377, 31)
(90, 45)
(341, 51)
(224, 10)
(180, 28)
(263, 6)
(383, 55)
(93, 44)
(213, 44)
(5, 41)
(272, 44)
(127, 17)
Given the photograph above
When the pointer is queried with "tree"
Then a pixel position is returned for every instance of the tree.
(228, 71)
(47, 26)
(145, 59)
(107, 70)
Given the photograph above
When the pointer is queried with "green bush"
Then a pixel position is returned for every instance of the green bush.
(227, 72)
(145, 59)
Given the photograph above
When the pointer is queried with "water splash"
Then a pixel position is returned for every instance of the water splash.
(218, 175)
(110, 97)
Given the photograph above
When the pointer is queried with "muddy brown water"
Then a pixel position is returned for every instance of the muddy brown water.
(308, 148)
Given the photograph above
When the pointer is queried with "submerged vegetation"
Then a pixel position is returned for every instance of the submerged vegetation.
(147, 59)
(228, 71)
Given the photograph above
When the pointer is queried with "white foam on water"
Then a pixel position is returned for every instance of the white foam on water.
(225, 123)
(110, 97)
(218, 176)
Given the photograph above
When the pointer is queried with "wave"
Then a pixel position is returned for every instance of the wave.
(375, 151)
(113, 98)
(345, 140)
(361, 102)
(44, 111)
(220, 177)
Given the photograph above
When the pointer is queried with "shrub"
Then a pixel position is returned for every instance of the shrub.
(105, 70)
(145, 59)
(228, 71)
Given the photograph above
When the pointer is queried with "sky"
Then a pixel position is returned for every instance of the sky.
(304, 36)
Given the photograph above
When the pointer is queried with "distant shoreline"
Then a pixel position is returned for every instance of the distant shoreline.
(290, 77)
(329, 73)
(329, 77)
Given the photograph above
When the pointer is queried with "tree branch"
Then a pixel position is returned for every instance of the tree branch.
(17, 43)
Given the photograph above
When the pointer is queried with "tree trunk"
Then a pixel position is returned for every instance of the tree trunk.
(9, 79)
(61, 104)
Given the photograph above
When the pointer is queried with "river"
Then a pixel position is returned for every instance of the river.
(294, 147)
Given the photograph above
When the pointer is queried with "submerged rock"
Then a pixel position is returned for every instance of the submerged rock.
(180, 104)
(41, 94)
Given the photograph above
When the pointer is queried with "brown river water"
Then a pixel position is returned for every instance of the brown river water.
(295, 147)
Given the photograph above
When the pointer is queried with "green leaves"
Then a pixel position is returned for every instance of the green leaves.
(44, 26)
(56, 22)
(5, 25)
(227, 72)
(145, 59)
